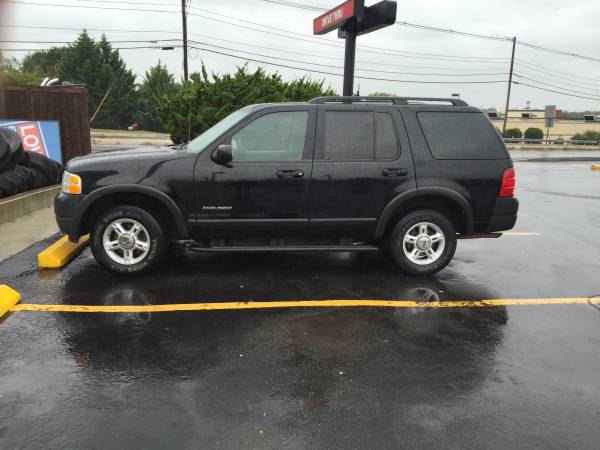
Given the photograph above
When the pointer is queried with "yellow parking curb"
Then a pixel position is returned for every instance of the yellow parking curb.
(595, 166)
(8, 299)
(61, 252)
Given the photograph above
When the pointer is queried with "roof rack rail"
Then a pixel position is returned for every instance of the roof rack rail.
(378, 99)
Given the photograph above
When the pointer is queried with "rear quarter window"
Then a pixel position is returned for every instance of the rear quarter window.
(461, 135)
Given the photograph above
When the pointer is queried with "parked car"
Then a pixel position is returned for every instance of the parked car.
(334, 174)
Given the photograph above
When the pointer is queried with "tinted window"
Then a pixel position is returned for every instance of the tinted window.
(386, 142)
(349, 135)
(452, 135)
(276, 136)
(359, 135)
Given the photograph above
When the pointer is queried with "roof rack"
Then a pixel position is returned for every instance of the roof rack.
(377, 99)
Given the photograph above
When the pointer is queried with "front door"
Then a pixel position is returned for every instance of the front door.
(264, 190)
(362, 161)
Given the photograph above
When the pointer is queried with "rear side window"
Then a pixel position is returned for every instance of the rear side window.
(359, 135)
(453, 135)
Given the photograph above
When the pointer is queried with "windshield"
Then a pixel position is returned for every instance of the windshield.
(200, 142)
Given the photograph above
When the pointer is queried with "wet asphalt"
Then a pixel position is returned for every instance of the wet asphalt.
(498, 377)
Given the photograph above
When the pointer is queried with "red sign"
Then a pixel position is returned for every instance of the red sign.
(334, 18)
(31, 137)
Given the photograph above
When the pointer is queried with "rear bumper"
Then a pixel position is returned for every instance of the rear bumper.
(504, 215)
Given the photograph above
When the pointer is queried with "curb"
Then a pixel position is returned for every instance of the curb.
(8, 299)
(19, 205)
(61, 252)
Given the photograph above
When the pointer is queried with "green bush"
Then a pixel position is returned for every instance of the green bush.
(534, 133)
(588, 135)
(514, 133)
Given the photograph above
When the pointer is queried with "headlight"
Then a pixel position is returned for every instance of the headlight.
(71, 183)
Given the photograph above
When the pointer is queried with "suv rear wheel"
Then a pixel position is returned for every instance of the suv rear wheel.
(128, 239)
(423, 242)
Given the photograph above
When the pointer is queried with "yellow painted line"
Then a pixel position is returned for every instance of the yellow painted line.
(8, 299)
(520, 233)
(595, 166)
(60, 253)
(300, 304)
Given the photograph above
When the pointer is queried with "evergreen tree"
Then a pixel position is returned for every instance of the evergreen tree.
(104, 73)
(156, 90)
(43, 63)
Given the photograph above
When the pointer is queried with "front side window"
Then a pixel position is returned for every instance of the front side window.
(277, 136)
(204, 139)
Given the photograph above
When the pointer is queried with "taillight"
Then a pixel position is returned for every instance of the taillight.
(507, 188)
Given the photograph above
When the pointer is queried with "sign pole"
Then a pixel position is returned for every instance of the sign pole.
(349, 59)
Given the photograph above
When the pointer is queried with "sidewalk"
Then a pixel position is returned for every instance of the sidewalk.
(25, 231)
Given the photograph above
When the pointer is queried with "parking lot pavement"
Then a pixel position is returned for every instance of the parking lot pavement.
(493, 377)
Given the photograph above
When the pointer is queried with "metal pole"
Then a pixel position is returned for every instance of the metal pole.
(185, 44)
(510, 76)
(349, 58)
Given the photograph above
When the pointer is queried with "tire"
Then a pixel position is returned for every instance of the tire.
(7, 186)
(15, 146)
(40, 178)
(27, 175)
(426, 256)
(151, 233)
(44, 165)
(4, 155)
(19, 181)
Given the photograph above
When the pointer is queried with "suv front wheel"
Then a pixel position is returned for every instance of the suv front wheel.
(423, 242)
(128, 239)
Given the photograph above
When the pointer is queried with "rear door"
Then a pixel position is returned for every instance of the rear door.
(362, 161)
(264, 190)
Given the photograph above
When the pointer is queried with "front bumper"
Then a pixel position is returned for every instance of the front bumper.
(66, 212)
(504, 215)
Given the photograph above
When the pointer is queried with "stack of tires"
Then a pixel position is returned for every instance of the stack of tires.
(22, 171)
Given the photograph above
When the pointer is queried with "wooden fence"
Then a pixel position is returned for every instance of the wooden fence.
(69, 105)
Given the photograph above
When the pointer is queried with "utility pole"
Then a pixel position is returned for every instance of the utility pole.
(510, 77)
(185, 44)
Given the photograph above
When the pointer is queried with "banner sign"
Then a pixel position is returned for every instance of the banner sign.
(334, 18)
(41, 136)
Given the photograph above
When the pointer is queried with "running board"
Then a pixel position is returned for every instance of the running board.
(285, 248)
(479, 236)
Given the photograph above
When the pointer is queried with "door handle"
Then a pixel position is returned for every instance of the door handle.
(290, 174)
(394, 172)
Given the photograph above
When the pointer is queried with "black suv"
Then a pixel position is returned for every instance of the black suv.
(408, 175)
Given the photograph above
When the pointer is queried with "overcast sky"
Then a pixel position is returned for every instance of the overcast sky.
(571, 26)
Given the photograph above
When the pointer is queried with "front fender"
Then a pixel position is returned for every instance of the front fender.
(100, 193)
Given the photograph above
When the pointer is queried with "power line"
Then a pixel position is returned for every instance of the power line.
(341, 67)
(555, 86)
(556, 92)
(552, 72)
(322, 41)
(341, 75)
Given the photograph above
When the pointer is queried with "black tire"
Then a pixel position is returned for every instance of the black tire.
(27, 175)
(7, 186)
(15, 146)
(157, 238)
(19, 181)
(396, 242)
(4, 155)
(41, 179)
(44, 165)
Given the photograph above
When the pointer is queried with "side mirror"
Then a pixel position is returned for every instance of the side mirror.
(222, 155)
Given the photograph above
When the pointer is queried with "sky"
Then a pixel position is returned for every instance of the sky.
(399, 53)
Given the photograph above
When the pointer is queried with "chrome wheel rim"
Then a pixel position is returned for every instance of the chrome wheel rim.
(126, 241)
(424, 243)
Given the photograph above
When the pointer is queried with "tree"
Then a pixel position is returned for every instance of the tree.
(104, 73)
(11, 74)
(156, 90)
(44, 63)
(534, 133)
(514, 133)
(202, 102)
(380, 94)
